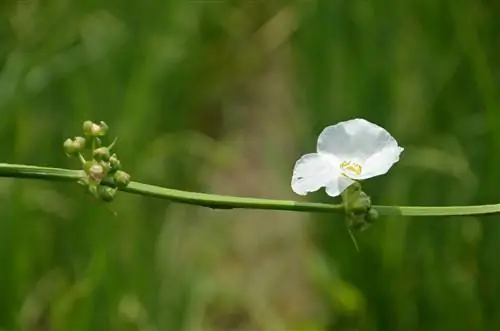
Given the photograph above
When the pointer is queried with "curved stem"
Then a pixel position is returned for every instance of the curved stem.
(231, 202)
(228, 202)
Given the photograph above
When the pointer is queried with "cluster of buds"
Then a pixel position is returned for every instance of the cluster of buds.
(358, 210)
(103, 173)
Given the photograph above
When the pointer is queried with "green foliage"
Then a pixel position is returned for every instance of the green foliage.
(223, 96)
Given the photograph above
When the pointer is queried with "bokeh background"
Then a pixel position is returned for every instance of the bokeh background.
(223, 96)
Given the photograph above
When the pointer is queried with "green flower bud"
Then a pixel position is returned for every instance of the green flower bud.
(69, 147)
(106, 193)
(73, 146)
(114, 163)
(121, 178)
(359, 204)
(80, 142)
(89, 127)
(102, 154)
(92, 129)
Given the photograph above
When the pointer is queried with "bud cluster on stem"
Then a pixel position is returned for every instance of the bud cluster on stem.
(358, 210)
(103, 173)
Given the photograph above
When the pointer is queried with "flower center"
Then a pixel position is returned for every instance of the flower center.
(352, 167)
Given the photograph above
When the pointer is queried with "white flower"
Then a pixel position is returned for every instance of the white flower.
(347, 151)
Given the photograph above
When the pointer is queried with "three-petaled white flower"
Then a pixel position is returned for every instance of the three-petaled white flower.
(347, 151)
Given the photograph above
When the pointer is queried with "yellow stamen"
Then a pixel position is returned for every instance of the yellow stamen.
(352, 167)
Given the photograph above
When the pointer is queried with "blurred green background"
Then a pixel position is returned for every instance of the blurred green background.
(223, 97)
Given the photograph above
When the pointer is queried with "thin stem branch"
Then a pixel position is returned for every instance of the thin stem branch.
(230, 202)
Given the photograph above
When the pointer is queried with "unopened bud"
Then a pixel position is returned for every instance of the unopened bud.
(106, 193)
(79, 142)
(360, 204)
(102, 154)
(92, 129)
(73, 146)
(69, 147)
(121, 179)
(96, 171)
(114, 163)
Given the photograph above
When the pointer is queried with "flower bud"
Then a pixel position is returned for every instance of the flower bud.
(69, 147)
(92, 129)
(360, 203)
(102, 154)
(95, 170)
(121, 179)
(106, 193)
(74, 145)
(80, 142)
(89, 128)
(114, 163)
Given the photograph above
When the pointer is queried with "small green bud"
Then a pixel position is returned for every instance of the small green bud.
(357, 202)
(106, 193)
(88, 128)
(121, 178)
(75, 145)
(114, 163)
(92, 129)
(69, 147)
(102, 154)
(80, 142)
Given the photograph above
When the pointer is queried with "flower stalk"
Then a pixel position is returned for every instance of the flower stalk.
(215, 201)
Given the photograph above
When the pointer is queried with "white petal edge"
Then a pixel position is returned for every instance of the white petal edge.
(312, 172)
(353, 140)
(381, 162)
(337, 186)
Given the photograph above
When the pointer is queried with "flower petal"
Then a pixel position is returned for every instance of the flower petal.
(338, 185)
(313, 171)
(382, 161)
(355, 140)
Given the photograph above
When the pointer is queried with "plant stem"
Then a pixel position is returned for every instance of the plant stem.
(230, 202)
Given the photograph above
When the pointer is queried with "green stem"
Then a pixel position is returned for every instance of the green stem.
(230, 202)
